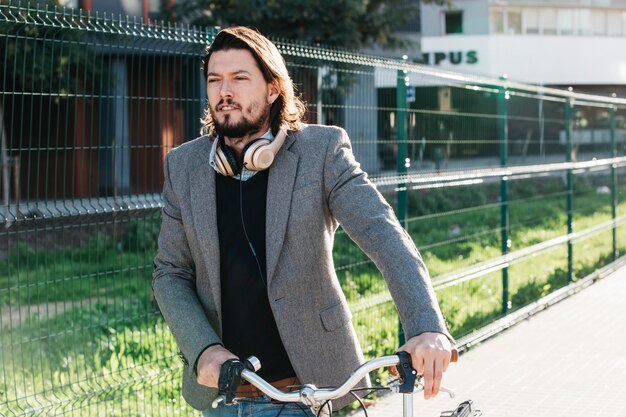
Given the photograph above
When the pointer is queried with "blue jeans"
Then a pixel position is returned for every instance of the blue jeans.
(258, 407)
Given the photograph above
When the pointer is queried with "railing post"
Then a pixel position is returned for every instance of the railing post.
(401, 164)
(503, 136)
(401, 123)
(570, 188)
(614, 183)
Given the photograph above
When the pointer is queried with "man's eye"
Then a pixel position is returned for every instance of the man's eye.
(212, 80)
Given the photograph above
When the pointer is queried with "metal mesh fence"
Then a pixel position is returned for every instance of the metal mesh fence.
(509, 190)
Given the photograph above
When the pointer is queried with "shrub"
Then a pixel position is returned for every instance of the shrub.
(141, 235)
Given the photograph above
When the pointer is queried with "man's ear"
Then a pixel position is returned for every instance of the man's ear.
(272, 94)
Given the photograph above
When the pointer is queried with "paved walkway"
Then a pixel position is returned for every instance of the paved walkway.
(569, 361)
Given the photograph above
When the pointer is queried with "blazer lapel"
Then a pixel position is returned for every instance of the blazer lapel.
(280, 183)
(203, 205)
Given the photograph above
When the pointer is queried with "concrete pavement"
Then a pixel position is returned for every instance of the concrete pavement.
(569, 360)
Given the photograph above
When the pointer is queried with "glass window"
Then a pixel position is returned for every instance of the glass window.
(548, 21)
(584, 22)
(614, 23)
(497, 21)
(154, 6)
(514, 22)
(530, 17)
(598, 22)
(69, 3)
(454, 22)
(566, 21)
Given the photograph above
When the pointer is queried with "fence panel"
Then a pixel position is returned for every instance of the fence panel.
(509, 190)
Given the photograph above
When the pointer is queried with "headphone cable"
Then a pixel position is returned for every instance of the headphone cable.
(245, 232)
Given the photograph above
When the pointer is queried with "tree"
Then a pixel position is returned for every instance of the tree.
(352, 24)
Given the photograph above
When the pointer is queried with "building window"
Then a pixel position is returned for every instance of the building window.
(548, 21)
(584, 22)
(531, 21)
(566, 21)
(69, 3)
(155, 6)
(598, 22)
(558, 21)
(453, 22)
(497, 21)
(614, 23)
(514, 22)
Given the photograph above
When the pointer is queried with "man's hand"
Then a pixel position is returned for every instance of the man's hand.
(430, 356)
(210, 363)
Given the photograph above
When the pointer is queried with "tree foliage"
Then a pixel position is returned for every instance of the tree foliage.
(351, 24)
(35, 59)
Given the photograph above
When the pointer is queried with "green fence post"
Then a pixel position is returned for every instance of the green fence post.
(503, 136)
(401, 123)
(570, 188)
(402, 139)
(614, 183)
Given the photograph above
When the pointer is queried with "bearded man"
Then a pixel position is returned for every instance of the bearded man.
(244, 265)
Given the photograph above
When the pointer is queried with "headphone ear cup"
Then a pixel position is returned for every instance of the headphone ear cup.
(257, 156)
(226, 161)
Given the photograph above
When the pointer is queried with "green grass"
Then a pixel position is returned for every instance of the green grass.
(88, 340)
(534, 218)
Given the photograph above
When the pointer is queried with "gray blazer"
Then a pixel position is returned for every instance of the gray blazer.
(314, 185)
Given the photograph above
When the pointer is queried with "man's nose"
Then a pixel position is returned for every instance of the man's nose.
(225, 90)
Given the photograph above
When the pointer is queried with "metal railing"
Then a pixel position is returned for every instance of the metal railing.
(509, 190)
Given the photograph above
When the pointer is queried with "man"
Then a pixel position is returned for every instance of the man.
(245, 253)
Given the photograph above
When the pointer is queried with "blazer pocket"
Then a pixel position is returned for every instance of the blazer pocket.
(335, 317)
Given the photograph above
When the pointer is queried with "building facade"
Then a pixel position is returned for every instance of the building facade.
(569, 43)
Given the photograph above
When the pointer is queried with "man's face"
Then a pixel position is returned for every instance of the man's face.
(239, 97)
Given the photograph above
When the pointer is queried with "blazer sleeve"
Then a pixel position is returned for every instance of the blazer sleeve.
(371, 223)
(174, 282)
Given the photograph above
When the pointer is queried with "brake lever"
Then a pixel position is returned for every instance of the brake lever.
(230, 379)
(420, 385)
(409, 379)
(406, 374)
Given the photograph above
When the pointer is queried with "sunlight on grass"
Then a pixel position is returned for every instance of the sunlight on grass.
(81, 336)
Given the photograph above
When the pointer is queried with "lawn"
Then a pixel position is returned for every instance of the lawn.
(85, 339)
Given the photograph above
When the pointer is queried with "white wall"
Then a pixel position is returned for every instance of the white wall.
(538, 59)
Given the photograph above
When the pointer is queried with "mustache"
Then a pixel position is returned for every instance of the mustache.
(226, 102)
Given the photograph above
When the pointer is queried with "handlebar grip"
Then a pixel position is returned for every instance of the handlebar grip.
(454, 357)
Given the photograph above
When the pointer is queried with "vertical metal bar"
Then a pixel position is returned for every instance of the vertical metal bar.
(570, 187)
(503, 136)
(320, 85)
(401, 194)
(614, 184)
(401, 123)
(407, 405)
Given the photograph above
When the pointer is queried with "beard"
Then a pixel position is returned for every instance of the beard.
(247, 124)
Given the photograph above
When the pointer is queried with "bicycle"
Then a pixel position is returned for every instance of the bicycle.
(318, 399)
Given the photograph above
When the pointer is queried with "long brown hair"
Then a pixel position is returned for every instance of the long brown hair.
(287, 110)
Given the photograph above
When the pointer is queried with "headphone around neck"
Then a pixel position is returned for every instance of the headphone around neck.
(258, 155)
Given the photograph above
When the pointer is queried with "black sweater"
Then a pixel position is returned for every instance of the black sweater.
(248, 325)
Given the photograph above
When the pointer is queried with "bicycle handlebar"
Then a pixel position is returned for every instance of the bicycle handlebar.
(320, 394)
(312, 396)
